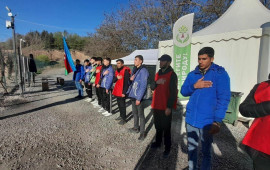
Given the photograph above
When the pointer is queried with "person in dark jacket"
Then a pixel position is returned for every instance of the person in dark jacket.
(86, 79)
(209, 89)
(121, 80)
(106, 81)
(136, 92)
(257, 139)
(164, 100)
(78, 78)
(32, 67)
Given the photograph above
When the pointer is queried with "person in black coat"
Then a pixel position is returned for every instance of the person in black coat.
(32, 67)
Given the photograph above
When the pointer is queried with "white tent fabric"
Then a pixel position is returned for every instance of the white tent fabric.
(150, 57)
(236, 38)
(242, 15)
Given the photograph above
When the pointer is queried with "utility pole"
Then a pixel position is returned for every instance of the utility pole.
(10, 24)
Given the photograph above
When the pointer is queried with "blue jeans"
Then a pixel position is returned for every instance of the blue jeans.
(196, 135)
(79, 87)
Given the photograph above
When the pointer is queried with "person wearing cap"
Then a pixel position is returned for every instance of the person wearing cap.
(121, 80)
(164, 100)
(209, 89)
(136, 92)
(78, 78)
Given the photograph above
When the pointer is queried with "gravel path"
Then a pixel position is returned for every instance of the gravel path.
(52, 130)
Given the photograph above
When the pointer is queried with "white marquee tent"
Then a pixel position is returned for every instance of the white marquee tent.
(150, 57)
(236, 37)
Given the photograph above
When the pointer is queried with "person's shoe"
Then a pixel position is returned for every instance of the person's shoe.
(93, 101)
(166, 153)
(155, 145)
(101, 110)
(134, 130)
(108, 114)
(142, 136)
(97, 107)
(88, 100)
(122, 122)
(105, 112)
(119, 118)
(77, 96)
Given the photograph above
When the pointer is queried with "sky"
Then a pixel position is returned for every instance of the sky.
(75, 16)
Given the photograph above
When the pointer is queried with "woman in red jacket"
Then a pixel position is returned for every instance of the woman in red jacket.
(257, 139)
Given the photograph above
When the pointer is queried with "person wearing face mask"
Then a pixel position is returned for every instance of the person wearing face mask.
(164, 100)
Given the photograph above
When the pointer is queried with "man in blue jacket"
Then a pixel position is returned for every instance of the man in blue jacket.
(209, 89)
(136, 92)
(106, 81)
(78, 78)
(86, 78)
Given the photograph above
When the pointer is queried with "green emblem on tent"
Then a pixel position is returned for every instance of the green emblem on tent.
(182, 36)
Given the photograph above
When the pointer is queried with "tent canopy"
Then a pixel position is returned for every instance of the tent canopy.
(236, 38)
(150, 57)
(242, 15)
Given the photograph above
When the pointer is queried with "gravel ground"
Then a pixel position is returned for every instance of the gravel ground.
(52, 130)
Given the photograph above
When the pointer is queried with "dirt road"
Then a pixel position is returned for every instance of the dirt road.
(52, 130)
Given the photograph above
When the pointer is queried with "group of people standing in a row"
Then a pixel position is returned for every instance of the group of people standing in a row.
(208, 87)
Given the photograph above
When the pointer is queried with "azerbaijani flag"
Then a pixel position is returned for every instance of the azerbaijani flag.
(70, 67)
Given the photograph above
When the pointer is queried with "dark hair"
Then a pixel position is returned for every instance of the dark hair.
(94, 58)
(86, 60)
(139, 57)
(108, 59)
(207, 50)
(77, 60)
(99, 59)
(122, 61)
(31, 56)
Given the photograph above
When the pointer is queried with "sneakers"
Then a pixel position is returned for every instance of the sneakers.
(134, 130)
(142, 136)
(94, 102)
(122, 122)
(88, 100)
(155, 145)
(119, 118)
(107, 114)
(101, 110)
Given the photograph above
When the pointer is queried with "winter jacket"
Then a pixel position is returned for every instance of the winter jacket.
(87, 75)
(79, 73)
(32, 65)
(257, 105)
(93, 74)
(249, 108)
(207, 105)
(172, 86)
(106, 81)
(138, 87)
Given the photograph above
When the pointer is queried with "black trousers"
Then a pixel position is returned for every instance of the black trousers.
(163, 127)
(99, 95)
(106, 101)
(88, 89)
(121, 102)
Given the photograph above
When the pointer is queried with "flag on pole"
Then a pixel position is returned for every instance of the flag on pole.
(182, 33)
(69, 64)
